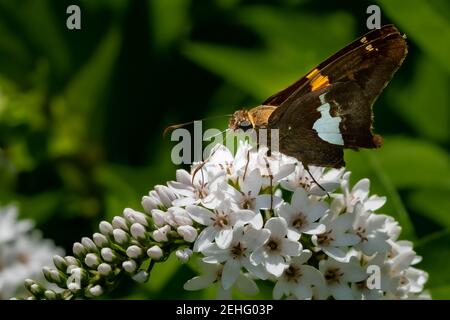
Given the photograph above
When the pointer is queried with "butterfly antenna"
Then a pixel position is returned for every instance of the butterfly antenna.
(176, 126)
(315, 181)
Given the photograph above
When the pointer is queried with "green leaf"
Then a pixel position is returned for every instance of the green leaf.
(435, 250)
(424, 24)
(74, 111)
(286, 56)
(423, 101)
(413, 163)
(432, 203)
(169, 21)
(440, 293)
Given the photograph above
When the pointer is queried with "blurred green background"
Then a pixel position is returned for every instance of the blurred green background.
(82, 112)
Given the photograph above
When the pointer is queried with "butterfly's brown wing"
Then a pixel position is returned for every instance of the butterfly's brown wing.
(279, 97)
(345, 90)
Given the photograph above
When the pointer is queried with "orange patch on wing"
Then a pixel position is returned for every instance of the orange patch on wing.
(313, 73)
(319, 82)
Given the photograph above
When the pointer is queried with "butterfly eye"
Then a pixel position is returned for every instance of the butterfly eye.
(245, 125)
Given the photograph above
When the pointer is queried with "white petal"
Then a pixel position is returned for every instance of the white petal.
(231, 272)
(257, 221)
(224, 238)
(290, 248)
(205, 239)
(275, 265)
(361, 189)
(279, 289)
(199, 282)
(252, 183)
(255, 238)
(341, 291)
(200, 215)
(277, 226)
(374, 203)
(314, 228)
(302, 291)
(300, 199)
(247, 285)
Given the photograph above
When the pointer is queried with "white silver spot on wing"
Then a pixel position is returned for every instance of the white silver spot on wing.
(327, 127)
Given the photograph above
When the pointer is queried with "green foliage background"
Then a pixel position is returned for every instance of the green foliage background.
(82, 112)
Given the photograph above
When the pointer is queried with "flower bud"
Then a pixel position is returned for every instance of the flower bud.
(106, 228)
(188, 233)
(100, 240)
(137, 230)
(149, 203)
(108, 255)
(89, 244)
(158, 217)
(134, 252)
(119, 223)
(79, 250)
(92, 260)
(120, 236)
(165, 194)
(96, 290)
(160, 234)
(155, 252)
(183, 255)
(60, 263)
(72, 261)
(129, 266)
(104, 269)
(50, 295)
(135, 217)
(141, 276)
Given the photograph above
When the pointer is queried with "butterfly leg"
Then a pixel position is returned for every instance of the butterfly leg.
(315, 181)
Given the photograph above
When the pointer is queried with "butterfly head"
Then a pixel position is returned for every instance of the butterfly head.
(241, 119)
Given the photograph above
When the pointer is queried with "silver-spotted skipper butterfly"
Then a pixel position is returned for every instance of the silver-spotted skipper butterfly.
(330, 108)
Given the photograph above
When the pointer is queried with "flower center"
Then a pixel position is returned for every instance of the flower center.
(299, 221)
(247, 201)
(293, 273)
(325, 238)
(221, 220)
(333, 275)
(360, 232)
(273, 245)
(237, 251)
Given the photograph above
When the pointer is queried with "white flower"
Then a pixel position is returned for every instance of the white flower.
(369, 228)
(299, 279)
(339, 275)
(329, 179)
(237, 254)
(212, 273)
(275, 253)
(9, 226)
(301, 215)
(337, 237)
(248, 196)
(23, 253)
(197, 188)
(359, 193)
(219, 224)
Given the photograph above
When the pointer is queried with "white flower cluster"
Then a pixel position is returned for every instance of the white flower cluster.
(257, 217)
(250, 217)
(23, 252)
